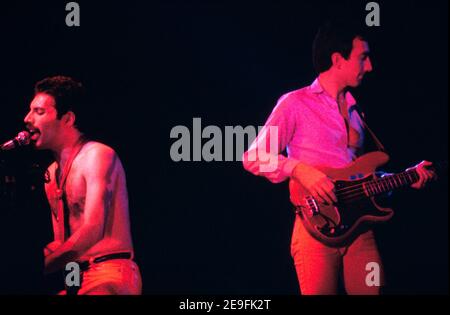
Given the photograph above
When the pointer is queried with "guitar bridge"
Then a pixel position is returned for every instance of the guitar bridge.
(312, 207)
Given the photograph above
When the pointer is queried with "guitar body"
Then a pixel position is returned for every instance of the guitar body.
(340, 223)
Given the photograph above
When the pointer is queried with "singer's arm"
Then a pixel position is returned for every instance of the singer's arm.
(98, 171)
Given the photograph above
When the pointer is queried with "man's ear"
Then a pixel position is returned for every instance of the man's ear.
(69, 118)
(336, 60)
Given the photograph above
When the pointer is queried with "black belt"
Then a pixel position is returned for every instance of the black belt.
(84, 265)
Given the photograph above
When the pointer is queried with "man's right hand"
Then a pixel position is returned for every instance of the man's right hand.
(319, 185)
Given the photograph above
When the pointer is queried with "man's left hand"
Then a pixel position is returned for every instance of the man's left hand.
(425, 175)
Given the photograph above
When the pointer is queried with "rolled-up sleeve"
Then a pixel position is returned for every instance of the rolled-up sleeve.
(265, 155)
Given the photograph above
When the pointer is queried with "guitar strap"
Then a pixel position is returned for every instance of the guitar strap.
(378, 143)
(62, 215)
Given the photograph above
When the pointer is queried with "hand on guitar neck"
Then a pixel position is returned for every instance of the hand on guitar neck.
(426, 174)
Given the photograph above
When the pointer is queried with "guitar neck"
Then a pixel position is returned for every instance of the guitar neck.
(391, 182)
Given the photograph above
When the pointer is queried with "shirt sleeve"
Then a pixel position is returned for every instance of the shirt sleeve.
(264, 157)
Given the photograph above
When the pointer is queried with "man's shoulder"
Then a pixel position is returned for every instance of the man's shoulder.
(96, 157)
(95, 147)
(95, 151)
(294, 98)
(295, 95)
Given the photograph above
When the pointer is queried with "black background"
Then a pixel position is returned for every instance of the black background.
(211, 227)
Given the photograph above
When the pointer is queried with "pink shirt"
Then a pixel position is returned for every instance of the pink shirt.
(312, 130)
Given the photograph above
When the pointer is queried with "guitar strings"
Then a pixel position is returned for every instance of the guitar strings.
(357, 193)
(359, 190)
(380, 181)
(354, 192)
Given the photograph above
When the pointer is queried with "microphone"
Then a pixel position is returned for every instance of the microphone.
(22, 138)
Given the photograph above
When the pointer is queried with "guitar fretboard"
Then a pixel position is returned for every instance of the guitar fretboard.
(390, 182)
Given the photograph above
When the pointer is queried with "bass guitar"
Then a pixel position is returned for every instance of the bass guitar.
(356, 187)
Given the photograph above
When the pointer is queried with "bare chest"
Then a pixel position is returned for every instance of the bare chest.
(74, 192)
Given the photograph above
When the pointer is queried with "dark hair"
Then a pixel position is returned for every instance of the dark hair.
(67, 92)
(334, 37)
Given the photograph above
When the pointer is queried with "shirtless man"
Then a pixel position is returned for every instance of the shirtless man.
(86, 190)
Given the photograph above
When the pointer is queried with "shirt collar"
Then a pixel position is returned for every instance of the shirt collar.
(316, 88)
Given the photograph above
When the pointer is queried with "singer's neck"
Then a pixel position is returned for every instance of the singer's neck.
(63, 152)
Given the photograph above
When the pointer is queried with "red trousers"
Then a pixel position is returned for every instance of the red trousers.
(112, 277)
(320, 267)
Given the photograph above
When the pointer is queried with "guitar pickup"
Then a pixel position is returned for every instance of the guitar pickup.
(312, 208)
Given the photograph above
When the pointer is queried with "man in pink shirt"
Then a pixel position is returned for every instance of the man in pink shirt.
(319, 126)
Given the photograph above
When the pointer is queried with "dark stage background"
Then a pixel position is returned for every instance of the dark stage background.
(211, 227)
